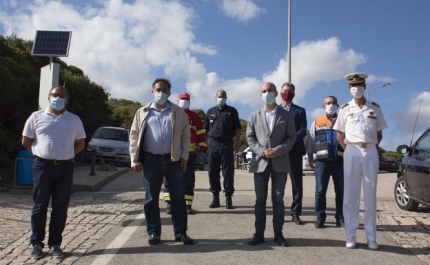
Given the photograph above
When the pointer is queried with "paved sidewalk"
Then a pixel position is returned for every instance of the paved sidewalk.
(91, 216)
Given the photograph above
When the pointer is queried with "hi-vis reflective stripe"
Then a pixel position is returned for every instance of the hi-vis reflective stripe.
(192, 147)
(189, 199)
(167, 196)
(201, 131)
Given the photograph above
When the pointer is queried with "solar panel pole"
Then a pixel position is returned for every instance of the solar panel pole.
(49, 77)
(50, 44)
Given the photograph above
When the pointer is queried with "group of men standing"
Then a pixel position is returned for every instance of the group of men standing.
(164, 138)
(345, 147)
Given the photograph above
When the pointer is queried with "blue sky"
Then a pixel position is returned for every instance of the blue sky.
(236, 45)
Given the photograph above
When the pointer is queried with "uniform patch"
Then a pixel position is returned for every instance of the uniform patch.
(376, 104)
(344, 105)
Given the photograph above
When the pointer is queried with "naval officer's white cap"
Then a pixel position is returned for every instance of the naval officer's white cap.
(354, 78)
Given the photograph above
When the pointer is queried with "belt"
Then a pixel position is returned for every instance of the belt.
(167, 155)
(363, 145)
(54, 161)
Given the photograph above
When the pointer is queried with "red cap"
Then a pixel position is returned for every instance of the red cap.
(184, 95)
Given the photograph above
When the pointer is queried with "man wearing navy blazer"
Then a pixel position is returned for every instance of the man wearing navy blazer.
(271, 134)
(298, 150)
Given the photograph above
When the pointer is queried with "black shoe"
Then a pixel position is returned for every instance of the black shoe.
(340, 223)
(153, 240)
(296, 219)
(256, 239)
(279, 238)
(168, 208)
(319, 223)
(190, 210)
(37, 252)
(228, 202)
(186, 240)
(57, 252)
(215, 202)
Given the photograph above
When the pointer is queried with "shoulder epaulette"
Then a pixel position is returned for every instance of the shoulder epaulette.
(344, 105)
(376, 104)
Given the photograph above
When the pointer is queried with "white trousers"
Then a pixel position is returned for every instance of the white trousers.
(361, 166)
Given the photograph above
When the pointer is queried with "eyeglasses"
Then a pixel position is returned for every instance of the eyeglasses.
(56, 95)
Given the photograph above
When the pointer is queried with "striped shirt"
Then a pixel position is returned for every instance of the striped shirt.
(54, 137)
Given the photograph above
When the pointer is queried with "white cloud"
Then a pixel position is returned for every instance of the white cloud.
(418, 111)
(117, 44)
(122, 46)
(242, 10)
(313, 114)
(313, 62)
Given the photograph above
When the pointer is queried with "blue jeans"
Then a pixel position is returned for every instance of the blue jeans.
(155, 169)
(261, 181)
(323, 171)
(54, 181)
(190, 179)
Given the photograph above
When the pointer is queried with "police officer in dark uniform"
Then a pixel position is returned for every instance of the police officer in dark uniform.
(222, 125)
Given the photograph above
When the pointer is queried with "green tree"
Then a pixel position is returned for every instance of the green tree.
(123, 111)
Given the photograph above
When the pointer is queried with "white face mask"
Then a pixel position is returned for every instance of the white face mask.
(357, 91)
(331, 109)
(185, 104)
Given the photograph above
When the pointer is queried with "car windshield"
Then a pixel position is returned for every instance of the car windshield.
(111, 134)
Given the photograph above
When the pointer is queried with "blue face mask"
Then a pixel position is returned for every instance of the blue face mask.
(57, 103)
(268, 97)
(221, 101)
(160, 98)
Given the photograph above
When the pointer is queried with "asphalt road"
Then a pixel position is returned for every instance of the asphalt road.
(221, 235)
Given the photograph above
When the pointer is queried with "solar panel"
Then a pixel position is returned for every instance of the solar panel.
(52, 43)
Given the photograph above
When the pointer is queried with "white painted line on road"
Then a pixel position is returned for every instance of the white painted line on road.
(119, 241)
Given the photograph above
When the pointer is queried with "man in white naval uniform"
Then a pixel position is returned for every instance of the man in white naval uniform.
(359, 130)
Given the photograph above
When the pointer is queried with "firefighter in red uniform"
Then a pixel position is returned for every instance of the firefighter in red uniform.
(198, 140)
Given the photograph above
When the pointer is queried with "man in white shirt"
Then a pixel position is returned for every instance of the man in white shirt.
(359, 131)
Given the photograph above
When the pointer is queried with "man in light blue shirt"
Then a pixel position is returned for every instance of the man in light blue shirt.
(159, 142)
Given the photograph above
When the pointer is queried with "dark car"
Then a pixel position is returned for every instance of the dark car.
(388, 164)
(413, 180)
(202, 163)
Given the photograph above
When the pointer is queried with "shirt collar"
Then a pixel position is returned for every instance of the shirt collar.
(152, 106)
(270, 111)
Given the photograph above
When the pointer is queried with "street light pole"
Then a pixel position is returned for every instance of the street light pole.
(289, 43)
(370, 89)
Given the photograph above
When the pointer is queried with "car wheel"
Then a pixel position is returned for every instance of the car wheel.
(402, 199)
(205, 167)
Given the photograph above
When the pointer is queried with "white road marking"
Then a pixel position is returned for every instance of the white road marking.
(119, 241)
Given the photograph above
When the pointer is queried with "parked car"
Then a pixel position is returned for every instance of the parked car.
(202, 163)
(306, 165)
(413, 179)
(388, 164)
(112, 144)
(248, 154)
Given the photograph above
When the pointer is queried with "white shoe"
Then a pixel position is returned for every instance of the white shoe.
(350, 242)
(372, 245)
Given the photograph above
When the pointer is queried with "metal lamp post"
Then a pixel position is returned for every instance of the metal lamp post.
(370, 89)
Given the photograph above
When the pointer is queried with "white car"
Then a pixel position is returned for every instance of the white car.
(248, 154)
(306, 165)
